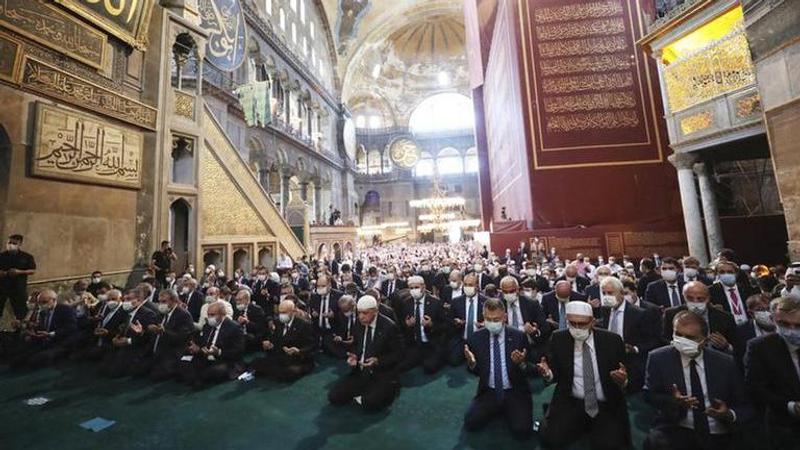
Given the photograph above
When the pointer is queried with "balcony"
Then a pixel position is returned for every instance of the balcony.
(667, 10)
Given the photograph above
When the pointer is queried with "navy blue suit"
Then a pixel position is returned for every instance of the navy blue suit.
(659, 294)
(723, 382)
(551, 306)
(458, 310)
(516, 403)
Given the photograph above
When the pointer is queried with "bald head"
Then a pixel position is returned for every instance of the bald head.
(563, 288)
(695, 291)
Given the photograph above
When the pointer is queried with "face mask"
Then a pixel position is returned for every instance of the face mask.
(763, 319)
(494, 327)
(102, 297)
(454, 284)
(210, 299)
(416, 293)
(728, 279)
(469, 291)
(12, 247)
(531, 272)
(609, 301)
(697, 307)
(212, 321)
(446, 269)
(629, 298)
(163, 308)
(185, 290)
(527, 293)
(685, 346)
(669, 275)
(792, 337)
(390, 276)
(511, 298)
(127, 306)
(262, 277)
(478, 268)
(579, 334)
(241, 306)
(322, 290)
(96, 280)
(425, 268)
(112, 304)
(295, 276)
(348, 314)
(284, 318)
(690, 272)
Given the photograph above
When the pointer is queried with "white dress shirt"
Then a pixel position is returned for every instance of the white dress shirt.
(422, 318)
(368, 331)
(577, 377)
(714, 426)
(618, 316)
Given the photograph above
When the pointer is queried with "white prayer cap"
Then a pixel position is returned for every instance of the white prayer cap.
(579, 308)
(367, 302)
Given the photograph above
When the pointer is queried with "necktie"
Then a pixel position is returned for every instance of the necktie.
(211, 337)
(613, 325)
(700, 418)
(323, 323)
(589, 391)
(367, 344)
(498, 367)
(470, 319)
(158, 337)
(514, 316)
(418, 316)
(108, 316)
(737, 307)
(674, 299)
(391, 288)
(562, 316)
(349, 324)
(50, 318)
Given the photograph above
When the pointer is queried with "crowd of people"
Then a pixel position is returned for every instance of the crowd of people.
(713, 349)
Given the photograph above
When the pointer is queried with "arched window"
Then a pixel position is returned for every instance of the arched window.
(374, 162)
(361, 160)
(448, 111)
(268, 6)
(387, 162)
(449, 161)
(471, 160)
(282, 19)
(424, 167)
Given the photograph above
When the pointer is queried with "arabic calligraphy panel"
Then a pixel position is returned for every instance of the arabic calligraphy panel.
(224, 21)
(126, 19)
(78, 147)
(10, 58)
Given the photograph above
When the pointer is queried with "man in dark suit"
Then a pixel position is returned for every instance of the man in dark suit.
(647, 267)
(729, 294)
(720, 327)
(344, 325)
(289, 348)
(668, 291)
(252, 320)
(347, 276)
(760, 323)
(132, 342)
(425, 329)
(484, 279)
(217, 353)
(48, 341)
(772, 373)
(392, 284)
(698, 392)
(109, 321)
(261, 290)
(324, 304)
(587, 365)
(632, 324)
(452, 289)
(169, 338)
(693, 272)
(15, 268)
(498, 355)
(378, 347)
(525, 315)
(577, 282)
(554, 305)
(593, 291)
(192, 298)
(466, 313)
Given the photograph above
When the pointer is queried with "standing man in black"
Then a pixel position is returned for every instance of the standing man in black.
(497, 354)
(162, 262)
(377, 348)
(15, 268)
(772, 373)
(587, 366)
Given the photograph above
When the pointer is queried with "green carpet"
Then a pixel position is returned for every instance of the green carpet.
(260, 414)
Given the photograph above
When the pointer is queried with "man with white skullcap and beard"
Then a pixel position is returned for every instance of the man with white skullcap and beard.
(586, 364)
(377, 348)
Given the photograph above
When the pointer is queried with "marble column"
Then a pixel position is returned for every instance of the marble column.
(304, 191)
(285, 189)
(684, 163)
(318, 203)
(710, 211)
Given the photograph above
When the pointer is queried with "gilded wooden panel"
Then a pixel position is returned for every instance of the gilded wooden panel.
(78, 147)
(184, 105)
(10, 58)
(48, 80)
(128, 20)
(56, 29)
(697, 122)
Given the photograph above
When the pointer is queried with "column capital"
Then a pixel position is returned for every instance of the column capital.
(682, 160)
(700, 168)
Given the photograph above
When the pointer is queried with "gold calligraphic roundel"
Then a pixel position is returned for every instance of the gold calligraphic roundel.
(404, 153)
(227, 39)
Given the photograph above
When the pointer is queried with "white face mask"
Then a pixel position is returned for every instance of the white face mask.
(416, 293)
(112, 304)
(763, 319)
(669, 275)
(212, 321)
(210, 299)
(527, 293)
(697, 307)
(609, 301)
(685, 346)
(493, 327)
(102, 297)
(469, 291)
(390, 276)
(478, 268)
(185, 290)
(629, 298)
(163, 308)
(284, 318)
(262, 277)
(454, 284)
(127, 306)
(511, 298)
(348, 314)
(690, 272)
(579, 334)
(96, 280)
(241, 306)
